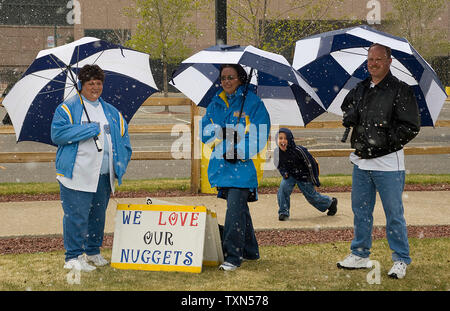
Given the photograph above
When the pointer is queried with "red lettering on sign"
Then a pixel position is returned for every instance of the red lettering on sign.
(160, 216)
(183, 220)
(182, 216)
(173, 218)
(194, 217)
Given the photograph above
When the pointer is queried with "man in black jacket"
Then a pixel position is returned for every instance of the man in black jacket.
(384, 115)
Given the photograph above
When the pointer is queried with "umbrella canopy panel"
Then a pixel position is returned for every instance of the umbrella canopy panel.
(287, 97)
(52, 78)
(334, 62)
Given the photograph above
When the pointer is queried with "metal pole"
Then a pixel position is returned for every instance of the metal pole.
(221, 21)
(196, 146)
(55, 37)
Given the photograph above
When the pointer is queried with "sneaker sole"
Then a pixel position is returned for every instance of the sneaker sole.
(92, 262)
(283, 218)
(222, 269)
(82, 270)
(98, 265)
(334, 210)
(394, 276)
(351, 268)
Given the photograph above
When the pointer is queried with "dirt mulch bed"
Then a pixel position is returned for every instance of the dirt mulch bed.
(179, 193)
(32, 244)
(282, 237)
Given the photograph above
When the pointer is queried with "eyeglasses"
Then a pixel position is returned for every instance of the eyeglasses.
(377, 60)
(229, 78)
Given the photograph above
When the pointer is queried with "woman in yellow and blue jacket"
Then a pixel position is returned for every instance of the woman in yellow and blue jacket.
(237, 136)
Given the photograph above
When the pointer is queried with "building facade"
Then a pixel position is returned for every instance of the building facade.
(28, 26)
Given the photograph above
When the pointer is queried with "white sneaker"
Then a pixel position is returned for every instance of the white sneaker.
(226, 266)
(79, 264)
(354, 262)
(398, 270)
(97, 259)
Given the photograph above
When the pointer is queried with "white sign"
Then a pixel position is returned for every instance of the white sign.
(212, 252)
(162, 238)
(50, 41)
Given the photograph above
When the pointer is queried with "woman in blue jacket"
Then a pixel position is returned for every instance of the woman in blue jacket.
(85, 172)
(237, 132)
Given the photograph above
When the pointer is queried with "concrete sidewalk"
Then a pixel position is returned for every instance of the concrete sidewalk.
(421, 208)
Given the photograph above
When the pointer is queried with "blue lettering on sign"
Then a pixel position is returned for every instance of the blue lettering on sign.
(156, 261)
(156, 257)
(137, 215)
(167, 257)
(177, 253)
(126, 217)
(145, 259)
(188, 260)
(124, 255)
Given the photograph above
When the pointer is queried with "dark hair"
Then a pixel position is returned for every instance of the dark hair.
(242, 74)
(91, 72)
(388, 49)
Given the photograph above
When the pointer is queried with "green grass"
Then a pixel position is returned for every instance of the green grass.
(308, 267)
(292, 268)
(183, 184)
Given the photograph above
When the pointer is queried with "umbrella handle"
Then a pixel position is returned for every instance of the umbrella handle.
(345, 135)
(97, 144)
(95, 138)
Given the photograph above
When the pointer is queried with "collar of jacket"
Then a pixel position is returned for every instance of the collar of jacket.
(222, 97)
(383, 84)
(78, 112)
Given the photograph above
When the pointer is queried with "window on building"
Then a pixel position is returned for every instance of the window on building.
(34, 12)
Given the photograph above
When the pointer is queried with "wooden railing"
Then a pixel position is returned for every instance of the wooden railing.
(27, 157)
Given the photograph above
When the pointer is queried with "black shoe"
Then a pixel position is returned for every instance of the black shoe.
(333, 207)
(283, 217)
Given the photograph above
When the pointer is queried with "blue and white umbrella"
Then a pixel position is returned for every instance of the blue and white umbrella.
(287, 97)
(334, 62)
(52, 78)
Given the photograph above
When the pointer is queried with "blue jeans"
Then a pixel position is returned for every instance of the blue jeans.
(389, 185)
(319, 201)
(239, 240)
(84, 218)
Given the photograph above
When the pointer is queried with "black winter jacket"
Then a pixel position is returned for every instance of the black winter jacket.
(384, 118)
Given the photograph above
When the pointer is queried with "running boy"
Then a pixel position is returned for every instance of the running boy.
(298, 167)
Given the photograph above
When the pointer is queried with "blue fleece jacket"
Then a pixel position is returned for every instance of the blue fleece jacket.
(253, 132)
(67, 131)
